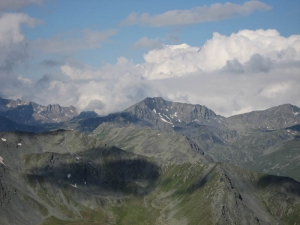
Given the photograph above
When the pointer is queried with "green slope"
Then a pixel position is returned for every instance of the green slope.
(284, 162)
(118, 187)
(161, 146)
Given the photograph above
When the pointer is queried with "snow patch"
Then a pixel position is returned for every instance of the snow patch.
(77, 157)
(1, 160)
(69, 176)
(167, 117)
(3, 139)
(166, 121)
(20, 144)
(154, 111)
(66, 114)
(74, 185)
(295, 113)
(167, 110)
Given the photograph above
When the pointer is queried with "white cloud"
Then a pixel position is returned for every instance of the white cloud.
(247, 50)
(214, 12)
(10, 27)
(229, 94)
(76, 73)
(25, 80)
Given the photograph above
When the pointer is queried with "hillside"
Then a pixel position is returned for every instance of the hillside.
(61, 176)
(163, 147)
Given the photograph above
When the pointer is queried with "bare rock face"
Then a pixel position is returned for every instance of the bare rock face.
(166, 115)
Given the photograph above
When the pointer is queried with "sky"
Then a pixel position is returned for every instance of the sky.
(231, 56)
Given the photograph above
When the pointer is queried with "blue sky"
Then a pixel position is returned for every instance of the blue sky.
(65, 51)
(75, 16)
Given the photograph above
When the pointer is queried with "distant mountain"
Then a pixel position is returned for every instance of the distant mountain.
(7, 125)
(31, 113)
(86, 115)
(270, 119)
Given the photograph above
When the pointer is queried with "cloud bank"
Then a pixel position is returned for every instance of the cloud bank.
(248, 70)
(214, 12)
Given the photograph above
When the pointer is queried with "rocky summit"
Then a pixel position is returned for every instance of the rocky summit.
(156, 162)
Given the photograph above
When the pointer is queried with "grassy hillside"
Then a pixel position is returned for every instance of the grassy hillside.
(65, 177)
(161, 146)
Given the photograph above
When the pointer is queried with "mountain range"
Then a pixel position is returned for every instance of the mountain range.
(156, 162)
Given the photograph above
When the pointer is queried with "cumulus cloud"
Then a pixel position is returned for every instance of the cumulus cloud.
(214, 12)
(228, 94)
(71, 41)
(247, 50)
(17, 4)
(146, 43)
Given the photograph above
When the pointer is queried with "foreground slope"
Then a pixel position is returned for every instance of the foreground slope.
(65, 177)
(61, 174)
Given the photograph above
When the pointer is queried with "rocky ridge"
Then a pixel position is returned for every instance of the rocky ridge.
(31, 113)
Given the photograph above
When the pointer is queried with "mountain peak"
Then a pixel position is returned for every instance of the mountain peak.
(166, 114)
